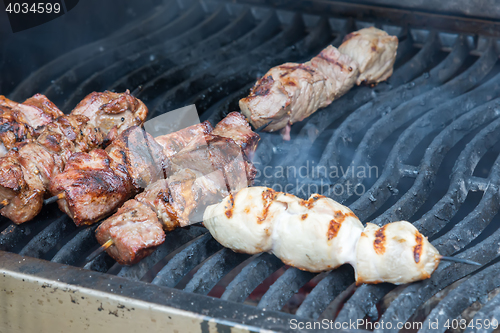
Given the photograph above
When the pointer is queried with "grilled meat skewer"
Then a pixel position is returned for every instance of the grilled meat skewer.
(206, 170)
(22, 121)
(95, 184)
(320, 234)
(26, 170)
(292, 92)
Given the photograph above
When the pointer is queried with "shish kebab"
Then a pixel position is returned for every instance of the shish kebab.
(209, 167)
(314, 235)
(292, 92)
(26, 170)
(93, 185)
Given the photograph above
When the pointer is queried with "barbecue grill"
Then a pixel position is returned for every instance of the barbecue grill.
(422, 147)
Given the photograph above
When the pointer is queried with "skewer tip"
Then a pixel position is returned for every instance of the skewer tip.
(101, 249)
(54, 198)
(462, 261)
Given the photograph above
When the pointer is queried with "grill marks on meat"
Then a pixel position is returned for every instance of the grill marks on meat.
(374, 51)
(97, 183)
(35, 162)
(91, 179)
(112, 112)
(209, 167)
(22, 121)
(292, 92)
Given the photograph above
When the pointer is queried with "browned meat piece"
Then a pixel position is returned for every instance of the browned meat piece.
(34, 163)
(292, 92)
(18, 122)
(339, 69)
(173, 143)
(141, 155)
(41, 102)
(235, 126)
(13, 129)
(134, 230)
(36, 111)
(91, 182)
(97, 183)
(374, 51)
(107, 110)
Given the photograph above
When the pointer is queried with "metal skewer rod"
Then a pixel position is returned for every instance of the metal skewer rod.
(462, 261)
(50, 200)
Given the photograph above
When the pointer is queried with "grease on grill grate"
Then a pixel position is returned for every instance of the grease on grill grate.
(431, 134)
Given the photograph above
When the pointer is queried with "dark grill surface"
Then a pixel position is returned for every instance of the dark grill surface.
(431, 134)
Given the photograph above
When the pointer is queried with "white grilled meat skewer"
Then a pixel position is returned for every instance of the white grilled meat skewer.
(320, 234)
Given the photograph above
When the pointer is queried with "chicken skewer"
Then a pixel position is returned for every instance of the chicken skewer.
(26, 170)
(320, 234)
(206, 170)
(292, 92)
(22, 121)
(90, 188)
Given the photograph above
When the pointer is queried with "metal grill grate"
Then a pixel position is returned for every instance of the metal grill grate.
(438, 115)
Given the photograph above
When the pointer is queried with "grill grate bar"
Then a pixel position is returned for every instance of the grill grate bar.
(357, 305)
(413, 199)
(251, 276)
(243, 33)
(191, 39)
(441, 213)
(72, 252)
(462, 297)
(419, 105)
(184, 261)
(244, 68)
(213, 270)
(44, 241)
(173, 241)
(334, 283)
(43, 77)
(68, 81)
(370, 112)
(488, 312)
(284, 288)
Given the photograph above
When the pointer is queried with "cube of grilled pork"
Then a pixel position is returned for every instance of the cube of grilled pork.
(33, 163)
(235, 126)
(174, 142)
(95, 184)
(292, 92)
(13, 129)
(374, 51)
(108, 110)
(135, 231)
(397, 253)
(20, 121)
(35, 111)
(314, 235)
